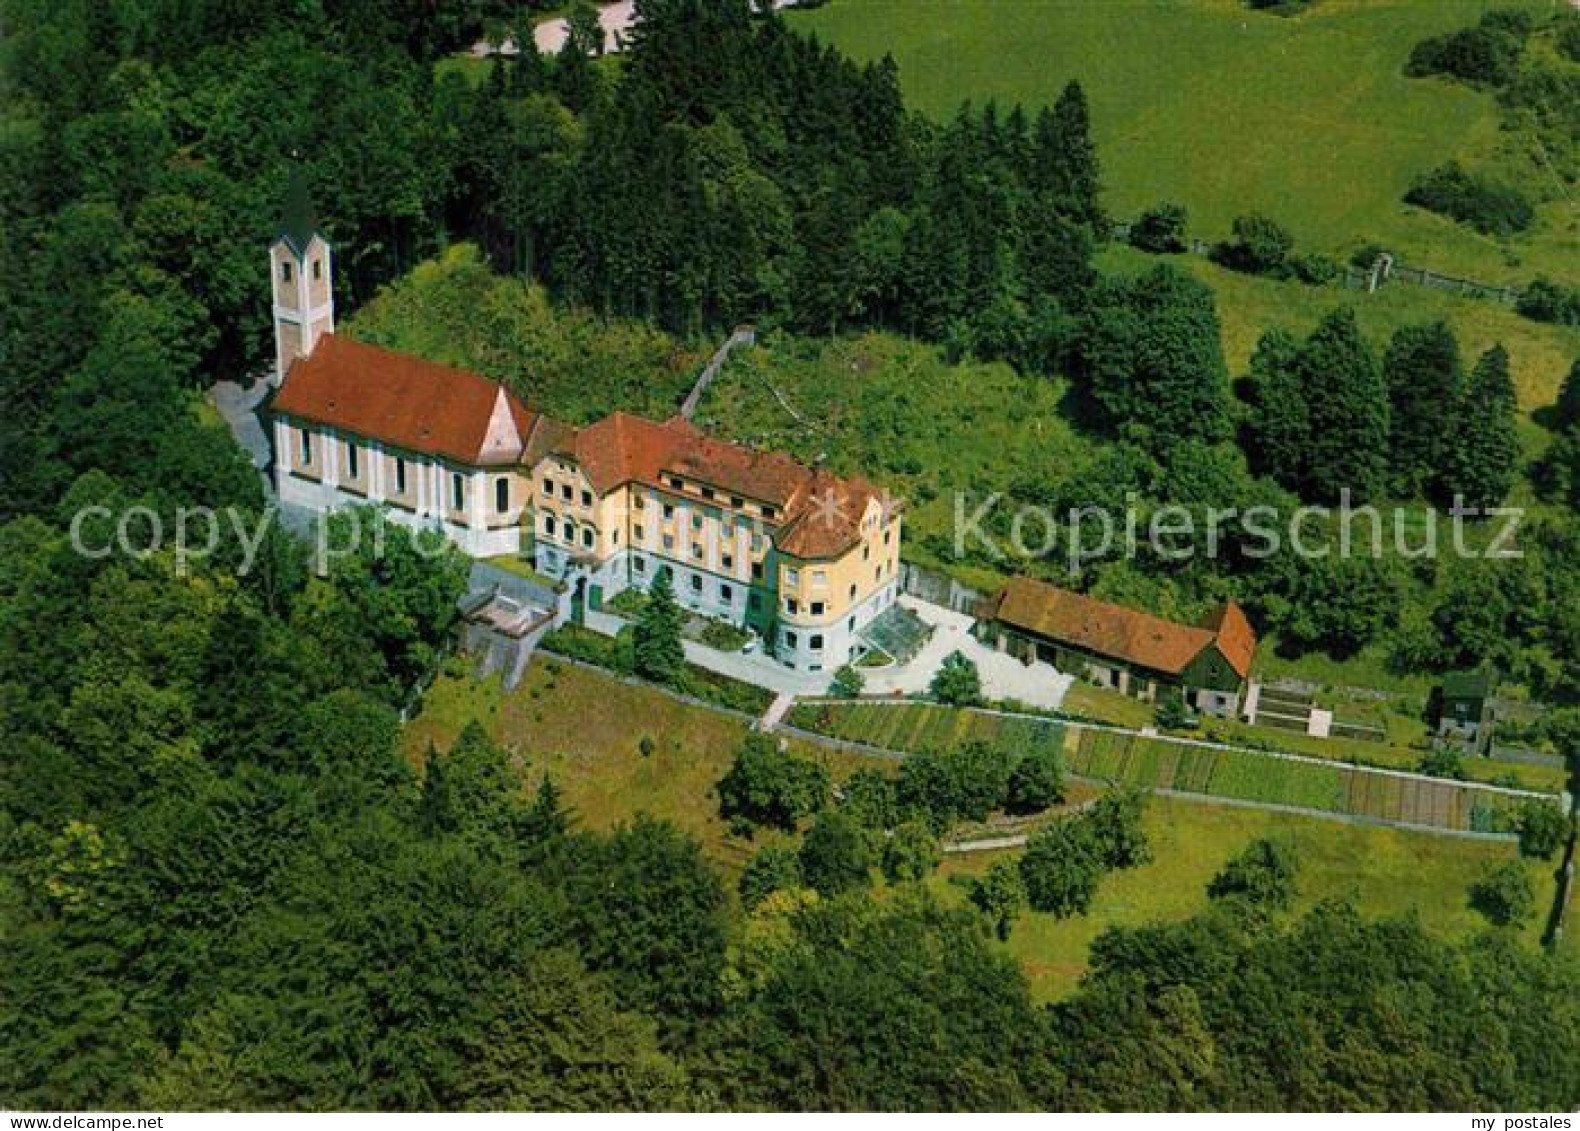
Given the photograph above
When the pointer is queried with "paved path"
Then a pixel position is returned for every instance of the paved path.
(777, 710)
(238, 405)
(1003, 676)
(549, 36)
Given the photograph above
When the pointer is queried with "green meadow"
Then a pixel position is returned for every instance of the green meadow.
(1227, 111)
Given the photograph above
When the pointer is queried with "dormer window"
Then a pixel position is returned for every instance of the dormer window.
(318, 269)
(285, 271)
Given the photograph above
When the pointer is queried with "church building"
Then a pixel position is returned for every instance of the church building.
(804, 558)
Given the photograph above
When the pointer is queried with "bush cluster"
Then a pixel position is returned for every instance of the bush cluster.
(1452, 191)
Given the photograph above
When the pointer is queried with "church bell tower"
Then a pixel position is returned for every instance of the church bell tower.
(300, 267)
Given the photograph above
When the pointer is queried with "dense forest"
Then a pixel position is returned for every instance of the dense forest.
(221, 887)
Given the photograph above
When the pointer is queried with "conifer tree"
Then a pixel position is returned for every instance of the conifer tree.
(659, 653)
(1347, 411)
(1483, 447)
(1279, 426)
(1424, 374)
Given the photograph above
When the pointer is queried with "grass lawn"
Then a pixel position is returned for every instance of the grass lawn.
(516, 564)
(1105, 706)
(585, 729)
(1386, 872)
(1227, 111)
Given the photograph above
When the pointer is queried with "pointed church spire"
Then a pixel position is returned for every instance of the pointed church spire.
(299, 223)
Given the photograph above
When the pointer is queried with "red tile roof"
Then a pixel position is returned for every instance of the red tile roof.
(819, 513)
(1120, 633)
(410, 403)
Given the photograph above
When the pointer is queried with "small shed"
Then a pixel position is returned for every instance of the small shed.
(1465, 705)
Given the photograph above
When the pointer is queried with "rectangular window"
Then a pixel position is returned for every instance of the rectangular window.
(792, 577)
(726, 594)
(639, 532)
(458, 490)
(696, 583)
(853, 591)
(817, 642)
(400, 476)
(886, 534)
(669, 541)
(285, 271)
(502, 494)
(757, 571)
(548, 525)
(866, 553)
(696, 550)
(737, 502)
(587, 536)
(707, 492)
(306, 445)
(696, 522)
(639, 565)
(566, 492)
(669, 510)
(727, 561)
(820, 577)
(351, 459)
(548, 487)
(792, 606)
(318, 269)
(817, 608)
(790, 640)
(586, 498)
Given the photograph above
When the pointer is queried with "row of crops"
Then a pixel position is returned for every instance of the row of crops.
(1162, 763)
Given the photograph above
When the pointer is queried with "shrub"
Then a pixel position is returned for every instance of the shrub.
(1503, 894)
(1485, 55)
(836, 855)
(848, 683)
(1546, 301)
(1160, 229)
(773, 868)
(771, 786)
(1314, 269)
(957, 682)
(1260, 246)
(1444, 762)
(1037, 781)
(1263, 874)
(1171, 712)
(1452, 191)
(910, 853)
(999, 894)
(1542, 826)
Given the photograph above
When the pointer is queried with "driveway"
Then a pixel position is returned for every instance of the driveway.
(549, 36)
(1003, 676)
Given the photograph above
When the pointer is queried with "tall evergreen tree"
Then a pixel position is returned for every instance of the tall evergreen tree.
(1484, 448)
(1424, 374)
(1280, 427)
(1065, 159)
(659, 653)
(1347, 410)
(1153, 358)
